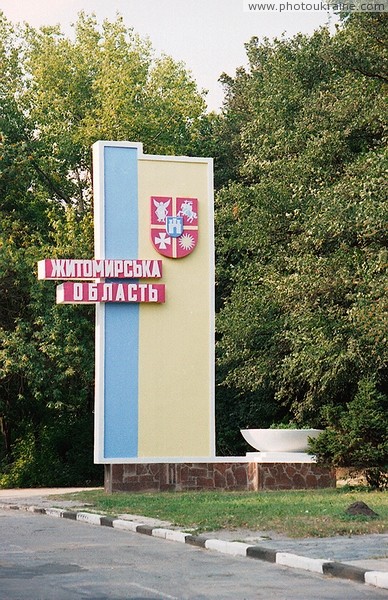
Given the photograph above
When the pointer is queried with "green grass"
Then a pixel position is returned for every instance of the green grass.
(312, 513)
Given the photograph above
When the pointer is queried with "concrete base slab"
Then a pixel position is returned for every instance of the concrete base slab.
(281, 457)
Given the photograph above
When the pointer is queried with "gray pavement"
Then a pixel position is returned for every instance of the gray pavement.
(367, 552)
(44, 558)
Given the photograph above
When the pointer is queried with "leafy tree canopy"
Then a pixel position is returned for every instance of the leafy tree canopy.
(301, 223)
(58, 95)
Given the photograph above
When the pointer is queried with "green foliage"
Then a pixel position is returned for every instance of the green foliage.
(301, 225)
(301, 234)
(286, 426)
(318, 513)
(46, 354)
(59, 454)
(357, 434)
(106, 84)
(58, 95)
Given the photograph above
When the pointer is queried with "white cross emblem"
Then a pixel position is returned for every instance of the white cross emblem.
(162, 240)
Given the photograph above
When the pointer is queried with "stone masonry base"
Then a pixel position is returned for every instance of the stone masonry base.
(230, 476)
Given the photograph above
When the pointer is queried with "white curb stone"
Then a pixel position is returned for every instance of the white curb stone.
(231, 548)
(218, 545)
(126, 525)
(33, 509)
(160, 532)
(377, 578)
(89, 518)
(237, 548)
(300, 562)
(54, 512)
(176, 536)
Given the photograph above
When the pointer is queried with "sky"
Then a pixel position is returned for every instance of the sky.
(207, 35)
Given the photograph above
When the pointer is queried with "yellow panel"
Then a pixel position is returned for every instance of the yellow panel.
(176, 339)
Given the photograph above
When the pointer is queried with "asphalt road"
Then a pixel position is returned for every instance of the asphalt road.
(61, 559)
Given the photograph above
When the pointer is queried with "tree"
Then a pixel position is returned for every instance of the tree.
(58, 96)
(301, 229)
(106, 84)
(357, 435)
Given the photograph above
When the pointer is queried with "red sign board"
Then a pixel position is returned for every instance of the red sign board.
(85, 293)
(69, 268)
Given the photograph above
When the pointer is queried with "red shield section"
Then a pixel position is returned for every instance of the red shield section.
(186, 209)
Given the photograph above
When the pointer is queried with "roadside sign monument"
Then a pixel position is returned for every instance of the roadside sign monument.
(152, 280)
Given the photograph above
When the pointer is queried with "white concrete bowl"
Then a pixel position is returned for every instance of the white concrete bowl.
(279, 440)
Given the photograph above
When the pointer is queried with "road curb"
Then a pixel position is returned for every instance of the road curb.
(330, 568)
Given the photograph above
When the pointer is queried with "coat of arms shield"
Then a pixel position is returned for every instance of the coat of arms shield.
(174, 225)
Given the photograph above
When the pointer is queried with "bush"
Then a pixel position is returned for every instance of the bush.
(59, 454)
(357, 435)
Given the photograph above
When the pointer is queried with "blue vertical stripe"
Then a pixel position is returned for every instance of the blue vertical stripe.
(121, 320)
